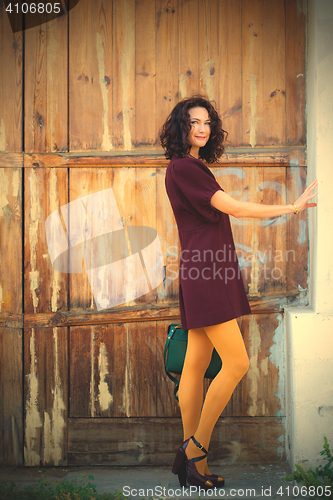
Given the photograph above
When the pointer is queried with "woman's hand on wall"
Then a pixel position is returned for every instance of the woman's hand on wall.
(302, 202)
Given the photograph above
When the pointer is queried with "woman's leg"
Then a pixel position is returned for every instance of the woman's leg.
(228, 341)
(197, 359)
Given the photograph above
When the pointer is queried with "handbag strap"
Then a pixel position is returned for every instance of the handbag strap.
(171, 331)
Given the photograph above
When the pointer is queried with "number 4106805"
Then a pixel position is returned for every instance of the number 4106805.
(40, 8)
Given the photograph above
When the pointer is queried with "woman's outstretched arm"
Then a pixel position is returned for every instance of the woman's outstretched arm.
(225, 203)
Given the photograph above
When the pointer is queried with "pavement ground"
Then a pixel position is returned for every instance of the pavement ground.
(241, 481)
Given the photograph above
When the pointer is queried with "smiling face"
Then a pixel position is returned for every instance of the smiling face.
(199, 134)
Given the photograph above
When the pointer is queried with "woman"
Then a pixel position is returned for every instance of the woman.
(211, 290)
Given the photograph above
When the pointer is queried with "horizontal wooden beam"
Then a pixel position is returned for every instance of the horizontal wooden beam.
(284, 156)
(259, 305)
(98, 441)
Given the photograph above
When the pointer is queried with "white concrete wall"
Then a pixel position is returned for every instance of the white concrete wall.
(309, 331)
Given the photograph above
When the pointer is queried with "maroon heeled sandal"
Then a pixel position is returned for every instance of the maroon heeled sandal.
(193, 476)
(179, 466)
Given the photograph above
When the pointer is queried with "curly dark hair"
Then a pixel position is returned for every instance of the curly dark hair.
(175, 131)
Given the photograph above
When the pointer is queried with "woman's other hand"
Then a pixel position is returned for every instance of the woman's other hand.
(302, 202)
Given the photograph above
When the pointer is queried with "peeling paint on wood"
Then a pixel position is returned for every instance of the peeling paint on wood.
(10, 202)
(55, 424)
(4, 182)
(35, 209)
(104, 397)
(54, 205)
(301, 7)
(92, 371)
(3, 140)
(16, 184)
(253, 288)
(255, 270)
(278, 358)
(253, 372)
(33, 421)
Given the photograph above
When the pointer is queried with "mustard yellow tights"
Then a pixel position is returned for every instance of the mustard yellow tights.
(199, 420)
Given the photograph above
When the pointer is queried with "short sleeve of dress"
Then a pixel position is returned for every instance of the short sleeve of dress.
(198, 185)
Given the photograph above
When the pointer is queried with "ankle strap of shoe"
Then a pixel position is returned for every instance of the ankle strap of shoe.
(198, 445)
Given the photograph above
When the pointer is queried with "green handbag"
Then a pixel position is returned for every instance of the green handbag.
(174, 355)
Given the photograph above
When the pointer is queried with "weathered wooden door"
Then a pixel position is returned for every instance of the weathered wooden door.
(86, 384)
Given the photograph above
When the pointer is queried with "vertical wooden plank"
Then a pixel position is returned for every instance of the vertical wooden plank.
(123, 339)
(83, 182)
(57, 85)
(124, 74)
(146, 216)
(101, 37)
(35, 90)
(248, 229)
(296, 14)
(81, 372)
(45, 287)
(134, 375)
(297, 231)
(167, 58)
(272, 238)
(189, 42)
(256, 196)
(209, 49)
(274, 83)
(231, 180)
(122, 375)
(166, 405)
(145, 78)
(90, 76)
(45, 396)
(46, 114)
(11, 391)
(10, 86)
(143, 369)
(11, 394)
(252, 71)
(105, 366)
(230, 64)
(91, 371)
(81, 87)
(124, 189)
(168, 234)
(11, 236)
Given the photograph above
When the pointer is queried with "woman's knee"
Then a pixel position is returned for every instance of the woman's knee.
(243, 364)
(239, 366)
(199, 351)
(197, 362)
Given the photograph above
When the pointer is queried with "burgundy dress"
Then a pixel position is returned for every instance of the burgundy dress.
(211, 288)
